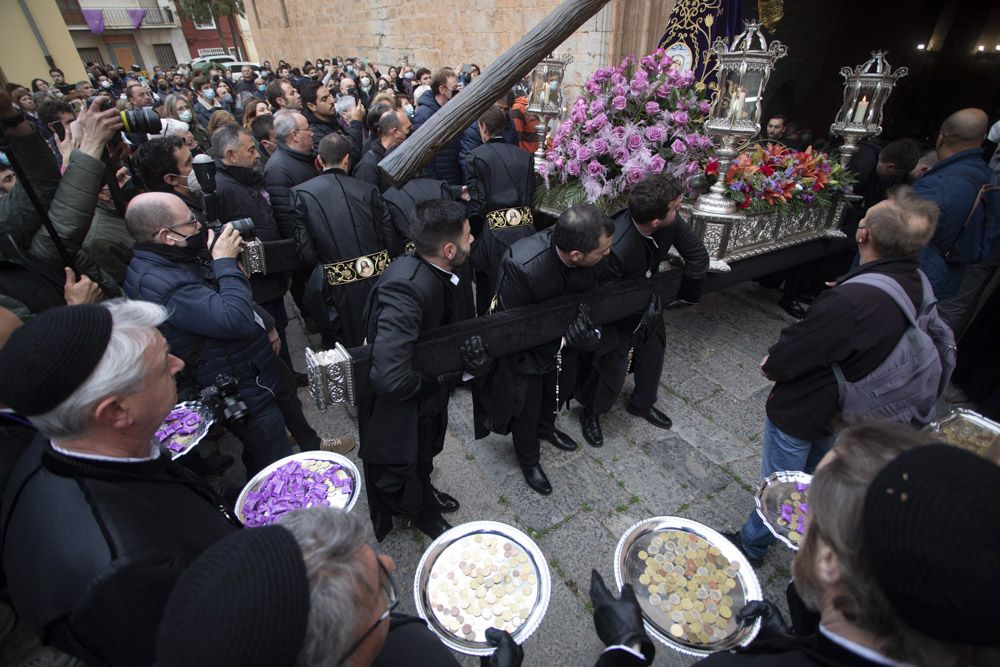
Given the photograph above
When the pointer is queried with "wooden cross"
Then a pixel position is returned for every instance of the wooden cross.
(455, 117)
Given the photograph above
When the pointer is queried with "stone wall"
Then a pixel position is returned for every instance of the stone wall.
(435, 33)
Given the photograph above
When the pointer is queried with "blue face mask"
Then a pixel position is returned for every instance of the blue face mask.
(262, 88)
(208, 94)
(350, 69)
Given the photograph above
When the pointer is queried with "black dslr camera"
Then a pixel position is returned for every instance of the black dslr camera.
(142, 121)
(252, 254)
(223, 398)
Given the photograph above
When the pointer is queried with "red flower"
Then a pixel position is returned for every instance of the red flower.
(767, 170)
(745, 203)
(712, 168)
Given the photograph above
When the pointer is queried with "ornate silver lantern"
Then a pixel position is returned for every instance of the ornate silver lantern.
(744, 68)
(546, 100)
(866, 89)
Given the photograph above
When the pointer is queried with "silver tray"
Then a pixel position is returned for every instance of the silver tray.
(207, 419)
(773, 491)
(458, 537)
(333, 457)
(628, 568)
(975, 432)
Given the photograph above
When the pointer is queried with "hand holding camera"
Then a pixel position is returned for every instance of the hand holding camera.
(97, 125)
(226, 244)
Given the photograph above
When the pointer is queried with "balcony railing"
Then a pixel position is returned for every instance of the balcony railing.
(116, 18)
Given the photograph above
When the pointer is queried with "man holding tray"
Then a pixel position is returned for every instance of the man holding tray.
(98, 522)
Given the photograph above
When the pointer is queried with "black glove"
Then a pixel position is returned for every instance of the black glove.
(772, 627)
(652, 316)
(475, 356)
(508, 653)
(582, 334)
(618, 622)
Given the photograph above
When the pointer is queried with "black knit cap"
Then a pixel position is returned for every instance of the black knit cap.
(932, 532)
(49, 357)
(243, 602)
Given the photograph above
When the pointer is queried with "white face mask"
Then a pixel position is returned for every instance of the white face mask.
(193, 185)
(366, 82)
(185, 115)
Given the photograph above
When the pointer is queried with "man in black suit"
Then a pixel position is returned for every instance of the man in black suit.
(644, 232)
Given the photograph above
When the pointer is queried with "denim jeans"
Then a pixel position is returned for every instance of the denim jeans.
(781, 452)
(263, 437)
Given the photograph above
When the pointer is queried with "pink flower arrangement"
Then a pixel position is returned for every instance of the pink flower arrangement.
(639, 118)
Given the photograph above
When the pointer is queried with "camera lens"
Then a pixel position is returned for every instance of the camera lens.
(142, 121)
(244, 226)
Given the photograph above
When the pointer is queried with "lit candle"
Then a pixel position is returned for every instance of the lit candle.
(741, 105)
(861, 110)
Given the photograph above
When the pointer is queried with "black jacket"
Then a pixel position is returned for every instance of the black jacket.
(367, 169)
(241, 194)
(285, 169)
(339, 218)
(92, 549)
(411, 297)
(813, 651)
(402, 205)
(855, 325)
(321, 128)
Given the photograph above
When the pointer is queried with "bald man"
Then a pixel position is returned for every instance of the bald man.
(953, 184)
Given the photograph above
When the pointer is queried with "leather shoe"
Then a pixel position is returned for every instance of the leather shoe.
(653, 415)
(445, 502)
(536, 479)
(560, 440)
(591, 426)
(792, 307)
(432, 528)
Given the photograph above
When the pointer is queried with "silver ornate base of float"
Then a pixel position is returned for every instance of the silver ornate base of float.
(732, 237)
(331, 379)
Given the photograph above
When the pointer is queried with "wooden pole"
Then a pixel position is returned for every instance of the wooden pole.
(455, 117)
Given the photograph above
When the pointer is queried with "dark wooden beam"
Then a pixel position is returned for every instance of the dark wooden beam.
(437, 352)
(455, 117)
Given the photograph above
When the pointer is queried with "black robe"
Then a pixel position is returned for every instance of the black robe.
(402, 203)
(403, 424)
(338, 218)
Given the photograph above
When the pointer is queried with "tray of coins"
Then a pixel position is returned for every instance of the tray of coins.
(970, 431)
(783, 504)
(479, 575)
(690, 582)
(184, 427)
(309, 479)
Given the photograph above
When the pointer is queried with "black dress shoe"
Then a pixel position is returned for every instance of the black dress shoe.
(560, 440)
(792, 307)
(653, 415)
(591, 426)
(432, 528)
(445, 502)
(536, 479)
(735, 539)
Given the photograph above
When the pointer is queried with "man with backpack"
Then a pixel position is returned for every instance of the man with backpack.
(955, 184)
(873, 346)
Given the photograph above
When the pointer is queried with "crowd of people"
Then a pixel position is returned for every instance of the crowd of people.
(146, 258)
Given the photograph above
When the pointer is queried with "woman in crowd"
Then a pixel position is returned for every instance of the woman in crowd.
(178, 108)
(258, 108)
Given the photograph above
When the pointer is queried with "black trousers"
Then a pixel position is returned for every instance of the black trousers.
(291, 409)
(276, 308)
(607, 377)
(537, 417)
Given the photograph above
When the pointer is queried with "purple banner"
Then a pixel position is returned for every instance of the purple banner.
(693, 26)
(94, 19)
(137, 15)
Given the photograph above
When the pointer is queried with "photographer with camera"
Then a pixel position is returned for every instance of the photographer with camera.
(213, 322)
(33, 265)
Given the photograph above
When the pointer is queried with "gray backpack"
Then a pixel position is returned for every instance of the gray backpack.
(908, 383)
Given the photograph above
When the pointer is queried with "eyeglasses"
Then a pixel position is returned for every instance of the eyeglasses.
(391, 594)
(192, 221)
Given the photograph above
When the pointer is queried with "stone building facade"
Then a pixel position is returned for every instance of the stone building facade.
(434, 33)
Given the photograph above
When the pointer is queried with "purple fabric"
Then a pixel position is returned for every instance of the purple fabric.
(94, 19)
(728, 22)
(137, 15)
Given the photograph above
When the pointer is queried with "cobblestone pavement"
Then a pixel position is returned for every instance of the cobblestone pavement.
(705, 468)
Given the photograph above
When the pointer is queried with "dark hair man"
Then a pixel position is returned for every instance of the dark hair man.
(323, 113)
(96, 505)
(341, 226)
(262, 128)
(394, 128)
(403, 425)
(501, 179)
(283, 95)
(165, 166)
(644, 233)
(560, 260)
(59, 81)
(445, 165)
(853, 327)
